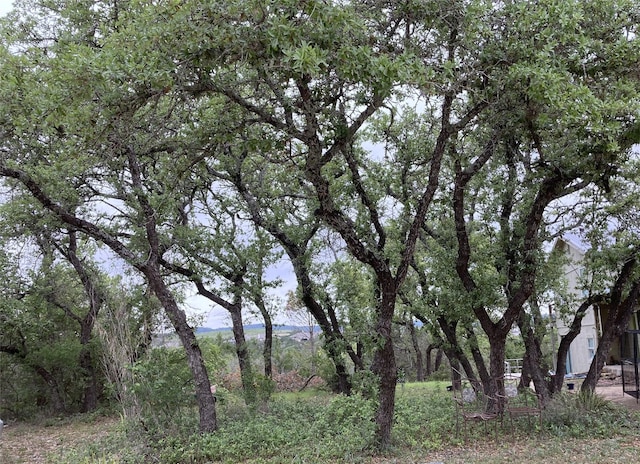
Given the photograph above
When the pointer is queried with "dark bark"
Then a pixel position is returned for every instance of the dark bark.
(149, 267)
(296, 249)
(384, 365)
(320, 149)
(235, 311)
(267, 349)
(204, 397)
(620, 311)
(96, 300)
(428, 364)
(456, 375)
(56, 395)
(533, 366)
(416, 350)
(242, 352)
(520, 246)
(557, 380)
(454, 350)
(439, 357)
(478, 359)
(495, 388)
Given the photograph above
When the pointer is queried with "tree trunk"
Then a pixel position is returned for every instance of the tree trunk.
(428, 368)
(296, 249)
(533, 367)
(267, 350)
(612, 330)
(57, 399)
(204, 397)
(244, 358)
(454, 349)
(416, 349)
(495, 388)
(333, 346)
(439, 356)
(456, 377)
(96, 300)
(151, 269)
(477, 355)
(557, 380)
(616, 323)
(384, 366)
(90, 393)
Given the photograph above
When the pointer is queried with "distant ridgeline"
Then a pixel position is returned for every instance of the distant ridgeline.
(276, 327)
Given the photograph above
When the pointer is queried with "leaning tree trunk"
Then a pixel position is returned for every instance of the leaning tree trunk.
(612, 330)
(454, 350)
(57, 398)
(474, 347)
(96, 299)
(533, 368)
(557, 380)
(204, 397)
(151, 269)
(619, 314)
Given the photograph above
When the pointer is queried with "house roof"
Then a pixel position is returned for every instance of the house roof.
(576, 241)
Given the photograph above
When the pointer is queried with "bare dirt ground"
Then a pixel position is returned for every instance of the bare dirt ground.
(612, 391)
(36, 444)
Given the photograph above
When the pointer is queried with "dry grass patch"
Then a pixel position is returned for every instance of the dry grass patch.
(41, 443)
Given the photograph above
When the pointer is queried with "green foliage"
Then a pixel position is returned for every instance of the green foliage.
(365, 383)
(264, 386)
(291, 430)
(586, 415)
(21, 390)
(194, 97)
(338, 429)
(163, 385)
(424, 415)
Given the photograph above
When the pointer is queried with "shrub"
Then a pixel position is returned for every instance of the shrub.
(163, 385)
(586, 415)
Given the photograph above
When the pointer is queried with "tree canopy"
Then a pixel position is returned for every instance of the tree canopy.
(403, 156)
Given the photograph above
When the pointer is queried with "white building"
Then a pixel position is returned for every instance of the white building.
(584, 346)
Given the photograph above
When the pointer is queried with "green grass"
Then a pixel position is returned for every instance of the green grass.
(325, 428)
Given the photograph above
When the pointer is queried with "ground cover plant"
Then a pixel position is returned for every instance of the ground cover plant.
(334, 428)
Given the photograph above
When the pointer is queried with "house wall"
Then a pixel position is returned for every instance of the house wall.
(583, 347)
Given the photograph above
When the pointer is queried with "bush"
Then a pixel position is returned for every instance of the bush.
(163, 386)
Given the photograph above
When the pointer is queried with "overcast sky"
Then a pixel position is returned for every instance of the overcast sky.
(215, 316)
(5, 6)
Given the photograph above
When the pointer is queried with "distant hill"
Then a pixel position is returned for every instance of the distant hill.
(276, 327)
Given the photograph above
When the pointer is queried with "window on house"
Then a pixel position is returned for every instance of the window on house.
(591, 346)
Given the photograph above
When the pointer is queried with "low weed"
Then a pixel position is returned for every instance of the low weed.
(326, 428)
